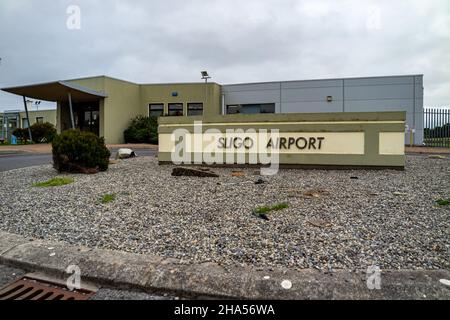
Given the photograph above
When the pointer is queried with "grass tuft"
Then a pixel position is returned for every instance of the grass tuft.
(55, 182)
(266, 209)
(106, 198)
(444, 202)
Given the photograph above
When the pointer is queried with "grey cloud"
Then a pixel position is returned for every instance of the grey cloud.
(237, 41)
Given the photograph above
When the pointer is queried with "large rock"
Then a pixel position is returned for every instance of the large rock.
(179, 171)
(125, 153)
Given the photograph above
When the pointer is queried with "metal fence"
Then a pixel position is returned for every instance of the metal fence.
(436, 124)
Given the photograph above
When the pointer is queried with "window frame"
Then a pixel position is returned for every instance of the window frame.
(39, 118)
(23, 123)
(240, 107)
(189, 109)
(172, 104)
(155, 104)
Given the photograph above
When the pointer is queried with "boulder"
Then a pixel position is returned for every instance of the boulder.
(187, 172)
(125, 153)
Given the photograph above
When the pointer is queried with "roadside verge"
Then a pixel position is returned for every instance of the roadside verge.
(209, 280)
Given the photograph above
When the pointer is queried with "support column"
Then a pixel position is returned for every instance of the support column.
(71, 110)
(28, 118)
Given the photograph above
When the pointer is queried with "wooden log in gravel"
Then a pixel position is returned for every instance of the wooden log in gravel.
(179, 171)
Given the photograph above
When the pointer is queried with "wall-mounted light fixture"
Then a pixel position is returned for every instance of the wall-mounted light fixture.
(329, 98)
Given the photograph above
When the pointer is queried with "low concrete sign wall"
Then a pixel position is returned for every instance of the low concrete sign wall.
(325, 139)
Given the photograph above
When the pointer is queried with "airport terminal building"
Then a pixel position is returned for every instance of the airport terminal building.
(105, 105)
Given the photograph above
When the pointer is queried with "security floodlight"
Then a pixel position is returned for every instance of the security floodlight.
(205, 75)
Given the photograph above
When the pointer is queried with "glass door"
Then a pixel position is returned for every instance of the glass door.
(91, 121)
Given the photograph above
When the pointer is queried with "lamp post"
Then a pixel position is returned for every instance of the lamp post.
(205, 76)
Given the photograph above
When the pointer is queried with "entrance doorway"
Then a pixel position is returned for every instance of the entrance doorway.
(91, 121)
(87, 117)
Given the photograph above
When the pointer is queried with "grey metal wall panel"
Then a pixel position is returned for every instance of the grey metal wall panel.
(418, 80)
(251, 87)
(397, 93)
(293, 107)
(311, 94)
(379, 105)
(400, 91)
(311, 84)
(379, 81)
(244, 97)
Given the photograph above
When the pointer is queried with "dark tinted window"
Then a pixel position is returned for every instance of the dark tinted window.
(156, 110)
(175, 109)
(267, 108)
(251, 108)
(195, 109)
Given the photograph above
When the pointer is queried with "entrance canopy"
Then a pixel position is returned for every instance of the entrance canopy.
(56, 91)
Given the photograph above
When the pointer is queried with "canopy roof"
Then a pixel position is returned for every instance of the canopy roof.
(57, 91)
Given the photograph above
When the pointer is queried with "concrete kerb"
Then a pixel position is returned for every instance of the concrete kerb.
(172, 276)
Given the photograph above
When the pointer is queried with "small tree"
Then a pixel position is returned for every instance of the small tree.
(142, 130)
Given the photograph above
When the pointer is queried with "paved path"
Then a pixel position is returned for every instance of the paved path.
(47, 147)
(9, 161)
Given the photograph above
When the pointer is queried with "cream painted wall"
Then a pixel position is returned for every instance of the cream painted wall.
(120, 107)
(48, 115)
(391, 143)
(332, 143)
(94, 83)
(187, 93)
(126, 100)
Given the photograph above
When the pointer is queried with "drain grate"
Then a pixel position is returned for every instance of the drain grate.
(32, 289)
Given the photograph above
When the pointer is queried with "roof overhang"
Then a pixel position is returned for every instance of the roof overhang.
(57, 91)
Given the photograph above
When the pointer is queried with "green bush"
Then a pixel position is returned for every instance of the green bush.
(21, 134)
(79, 151)
(43, 132)
(142, 130)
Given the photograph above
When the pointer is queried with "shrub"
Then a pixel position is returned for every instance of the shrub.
(79, 151)
(43, 132)
(142, 130)
(21, 134)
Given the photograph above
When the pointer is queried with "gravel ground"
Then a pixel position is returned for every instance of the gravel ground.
(387, 218)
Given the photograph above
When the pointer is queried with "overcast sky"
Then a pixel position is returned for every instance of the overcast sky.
(236, 41)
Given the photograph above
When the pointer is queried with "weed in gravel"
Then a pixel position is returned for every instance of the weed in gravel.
(55, 182)
(443, 202)
(266, 209)
(106, 198)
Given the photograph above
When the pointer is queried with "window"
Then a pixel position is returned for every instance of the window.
(156, 110)
(267, 108)
(39, 119)
(195, 109)
(175, 109)
(251, 108)
(24, 123)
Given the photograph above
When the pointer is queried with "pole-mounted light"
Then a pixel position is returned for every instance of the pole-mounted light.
(205, 76)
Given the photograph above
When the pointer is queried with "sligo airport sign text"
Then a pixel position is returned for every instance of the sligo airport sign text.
(248, 143)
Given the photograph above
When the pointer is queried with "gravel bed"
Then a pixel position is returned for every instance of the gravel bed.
(384, 218)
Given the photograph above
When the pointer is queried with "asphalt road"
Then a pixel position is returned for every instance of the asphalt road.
(8, 275)
(9, 161)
